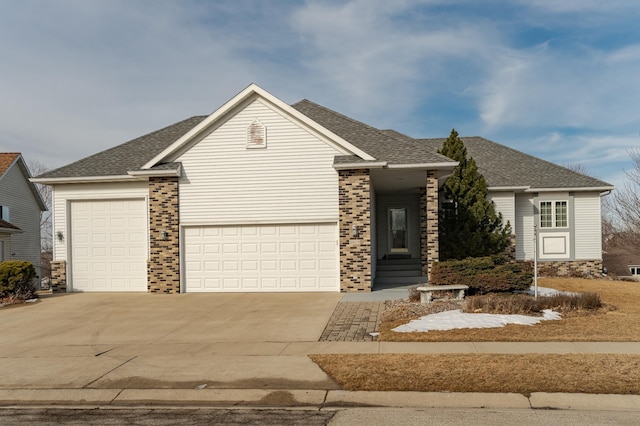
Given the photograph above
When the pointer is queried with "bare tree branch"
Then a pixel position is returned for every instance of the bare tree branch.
(46, 233)
(625, 206)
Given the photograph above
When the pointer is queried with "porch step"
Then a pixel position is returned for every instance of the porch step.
(397, 262)
(415, 272)
(400, 280)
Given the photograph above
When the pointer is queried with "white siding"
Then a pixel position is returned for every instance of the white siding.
(291, 180)
(62, 194)
(506, 204)
(524, 226)
(587, 225)
(24, 210)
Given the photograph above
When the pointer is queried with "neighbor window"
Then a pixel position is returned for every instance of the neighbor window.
(635, 270)
(553, 214)
(4, 213)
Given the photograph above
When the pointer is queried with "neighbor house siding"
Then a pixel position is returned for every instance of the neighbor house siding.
(291, 180)
(24, 212)
(62, 194)
(505, 203)
(588, 227)
(523, 227)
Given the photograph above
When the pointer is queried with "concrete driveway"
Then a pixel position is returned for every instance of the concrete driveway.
(134, 318)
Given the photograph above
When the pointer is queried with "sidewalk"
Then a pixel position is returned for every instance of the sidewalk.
(255, 374)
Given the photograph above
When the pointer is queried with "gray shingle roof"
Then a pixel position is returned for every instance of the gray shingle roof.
(504, 166)
(129, 156)
(387, 146)
(501, 166)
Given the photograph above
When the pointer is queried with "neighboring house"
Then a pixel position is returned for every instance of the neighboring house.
(265, 196)
(20, 207)
(621, 259)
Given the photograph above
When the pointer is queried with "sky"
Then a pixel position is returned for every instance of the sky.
(558, 79)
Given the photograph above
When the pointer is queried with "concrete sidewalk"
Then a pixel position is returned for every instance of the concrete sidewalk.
(254, 374)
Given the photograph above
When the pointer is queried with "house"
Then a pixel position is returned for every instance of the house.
(265, 196)
(20, 208)
(620, 258)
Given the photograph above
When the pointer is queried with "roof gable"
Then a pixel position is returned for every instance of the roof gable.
(6, 161)
(14, 159)
(249, 94)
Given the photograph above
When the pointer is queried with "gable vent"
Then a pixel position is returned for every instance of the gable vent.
(256, 135)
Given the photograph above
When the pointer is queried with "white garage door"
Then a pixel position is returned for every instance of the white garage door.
(108, 245)
(300, 257)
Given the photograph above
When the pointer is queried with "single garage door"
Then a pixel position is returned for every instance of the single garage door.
(108, 245)
(261, 258)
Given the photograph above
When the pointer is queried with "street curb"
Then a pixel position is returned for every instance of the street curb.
(320, 399)
(585, 401)
(426, 399)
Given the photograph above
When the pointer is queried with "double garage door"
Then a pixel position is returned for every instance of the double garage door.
(109, 253)
(261, 258)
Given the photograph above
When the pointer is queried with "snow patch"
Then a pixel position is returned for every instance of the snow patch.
(450, 320)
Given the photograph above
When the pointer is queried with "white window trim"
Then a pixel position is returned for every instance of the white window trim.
(4, 213)
(553, 214)
(636, 267)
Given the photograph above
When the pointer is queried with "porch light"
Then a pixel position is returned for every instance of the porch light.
(354, 231)
(163, 234)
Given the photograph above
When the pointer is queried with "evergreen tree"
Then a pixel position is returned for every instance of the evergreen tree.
(470, 227)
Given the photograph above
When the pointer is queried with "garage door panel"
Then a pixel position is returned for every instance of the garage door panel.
(296, 257)
(108, 248)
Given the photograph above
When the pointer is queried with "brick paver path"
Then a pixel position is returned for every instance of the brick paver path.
(353, 321)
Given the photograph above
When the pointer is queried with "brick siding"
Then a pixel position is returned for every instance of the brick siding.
(355, 247)
(429, 243)
(163, 269)
(58, 276)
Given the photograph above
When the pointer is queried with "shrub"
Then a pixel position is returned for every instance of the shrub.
(524, 304)
(483, 274)
(16, 279)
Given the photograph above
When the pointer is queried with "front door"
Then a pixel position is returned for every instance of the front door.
(398, 240)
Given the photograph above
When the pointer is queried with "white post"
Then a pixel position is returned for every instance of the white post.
(535, 261)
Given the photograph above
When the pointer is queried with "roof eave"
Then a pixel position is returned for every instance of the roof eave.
(576, 189)
(177, 172)
(11, 230)
(363, 165)
(427, 166)
(83, 179)
(508, 188)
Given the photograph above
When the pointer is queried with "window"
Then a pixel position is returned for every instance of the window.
(554, 214)
(635, 270)
(4, 213)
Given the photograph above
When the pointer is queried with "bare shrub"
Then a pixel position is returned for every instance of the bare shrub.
(520, 304)
(524, 304)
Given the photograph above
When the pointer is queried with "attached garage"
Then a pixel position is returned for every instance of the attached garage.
(261, 258)
(108, 245)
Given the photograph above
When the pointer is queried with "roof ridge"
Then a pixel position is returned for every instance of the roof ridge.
(353, 120)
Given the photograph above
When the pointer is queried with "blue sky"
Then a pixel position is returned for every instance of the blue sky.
(559, 79)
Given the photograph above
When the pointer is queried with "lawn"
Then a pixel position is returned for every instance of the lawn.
(620, 322)
(573, 373)
(519, 373)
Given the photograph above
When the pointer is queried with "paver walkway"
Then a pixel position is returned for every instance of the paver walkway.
(353, 322)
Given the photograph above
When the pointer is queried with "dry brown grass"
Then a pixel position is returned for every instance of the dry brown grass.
(573, 373)
(619, 323)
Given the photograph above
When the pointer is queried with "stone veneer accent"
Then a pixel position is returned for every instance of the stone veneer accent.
(429, 243)
(575, 268)
(355, 250)
(163, 268)
(58, 276)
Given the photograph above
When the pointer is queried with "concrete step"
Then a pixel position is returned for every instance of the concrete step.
(399, 273)
(385, 262)
(401, 267)
(400, 280)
